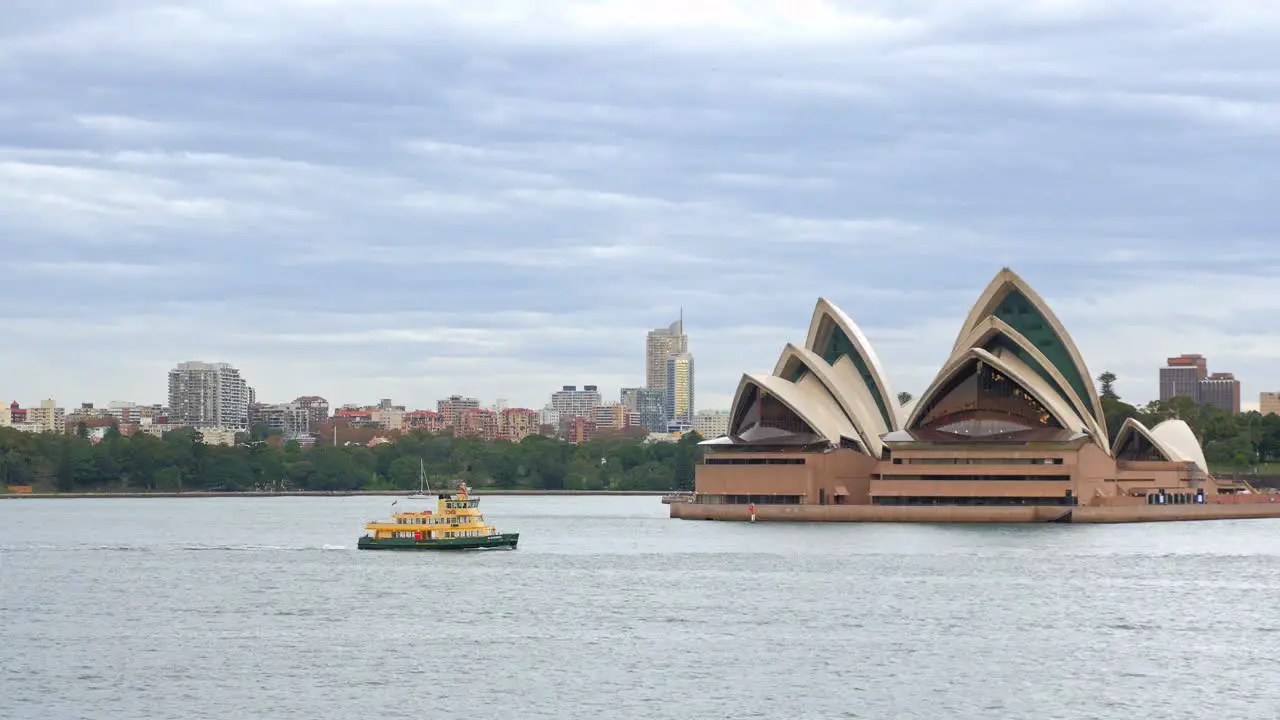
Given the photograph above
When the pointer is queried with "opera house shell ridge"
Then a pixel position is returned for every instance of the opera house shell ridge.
(1011, 428)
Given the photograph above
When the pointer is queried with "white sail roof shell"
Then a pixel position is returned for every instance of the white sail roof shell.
(809, 399)
(844, 384)
(826, 311)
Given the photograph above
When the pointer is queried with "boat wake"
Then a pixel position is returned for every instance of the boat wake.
(162, 548)
(258, 548)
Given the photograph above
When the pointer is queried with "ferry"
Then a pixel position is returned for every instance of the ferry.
(455, 524)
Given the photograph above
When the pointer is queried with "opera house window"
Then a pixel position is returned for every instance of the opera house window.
(980, 401)
(765, 418)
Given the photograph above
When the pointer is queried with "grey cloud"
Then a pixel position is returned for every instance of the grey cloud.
(273, 183)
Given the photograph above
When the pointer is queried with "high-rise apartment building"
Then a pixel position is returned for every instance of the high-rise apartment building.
(679, 390)
(569, 401)
(650, 404)
(452, 408)
(1188, 376)
(316, 408)
(208, 395)
(659, 345)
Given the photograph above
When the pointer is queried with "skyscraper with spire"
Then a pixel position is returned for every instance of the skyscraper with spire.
(661, 345)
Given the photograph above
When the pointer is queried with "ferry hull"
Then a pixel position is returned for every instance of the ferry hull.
(505, 540)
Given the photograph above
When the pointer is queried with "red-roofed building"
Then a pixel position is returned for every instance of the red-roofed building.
(476, 422)
(423, 420)
(516, 424)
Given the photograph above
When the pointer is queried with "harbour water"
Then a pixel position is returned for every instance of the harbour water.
(262, 608)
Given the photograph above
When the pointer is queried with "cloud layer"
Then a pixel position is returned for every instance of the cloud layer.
(410, 199)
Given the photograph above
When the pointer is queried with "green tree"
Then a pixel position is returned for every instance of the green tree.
(1107, 386)
(403, 473)
(180, 460)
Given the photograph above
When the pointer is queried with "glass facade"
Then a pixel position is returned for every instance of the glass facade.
(679, 389)
(982, 401)
(1136, 447)
(650, 404)
(763, 417)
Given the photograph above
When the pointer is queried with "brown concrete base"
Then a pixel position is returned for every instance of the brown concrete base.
(993, 514)
(1171, 513)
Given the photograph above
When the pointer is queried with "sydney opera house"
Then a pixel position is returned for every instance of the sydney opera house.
(1010, 430)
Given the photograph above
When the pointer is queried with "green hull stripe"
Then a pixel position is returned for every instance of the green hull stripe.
(491, 541)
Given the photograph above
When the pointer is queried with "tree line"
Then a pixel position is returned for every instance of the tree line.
(1231, 443)
(179, 462)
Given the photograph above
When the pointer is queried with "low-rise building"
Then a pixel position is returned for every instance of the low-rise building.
(615, 416)
(576, 430)
(45, 417)
(711, 423)
(1269, 403)
(426, 420)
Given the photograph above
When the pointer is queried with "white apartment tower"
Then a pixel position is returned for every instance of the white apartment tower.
(569, 401)
(208, 395)
(659, 345)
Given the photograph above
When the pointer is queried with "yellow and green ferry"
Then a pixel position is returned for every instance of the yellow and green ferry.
(456, 524)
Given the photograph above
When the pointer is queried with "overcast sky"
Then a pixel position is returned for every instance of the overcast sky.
(407, 199)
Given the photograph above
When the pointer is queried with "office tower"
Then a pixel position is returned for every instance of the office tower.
(679, 388)
(1181, 376)
(1188, 376)
(659, 345)
(1222, 391)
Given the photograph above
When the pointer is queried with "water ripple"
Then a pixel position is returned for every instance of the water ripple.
(241, 608)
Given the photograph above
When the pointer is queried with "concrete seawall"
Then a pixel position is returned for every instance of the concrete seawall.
(988, 514)
(1176, 513)
(869, 513)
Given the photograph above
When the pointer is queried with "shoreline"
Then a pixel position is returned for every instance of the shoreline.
(316, 493)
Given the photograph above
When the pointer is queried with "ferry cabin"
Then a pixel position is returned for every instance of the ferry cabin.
(460, 518)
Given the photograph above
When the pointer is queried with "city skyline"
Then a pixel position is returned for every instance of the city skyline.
(608, 396)
(570, 178)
